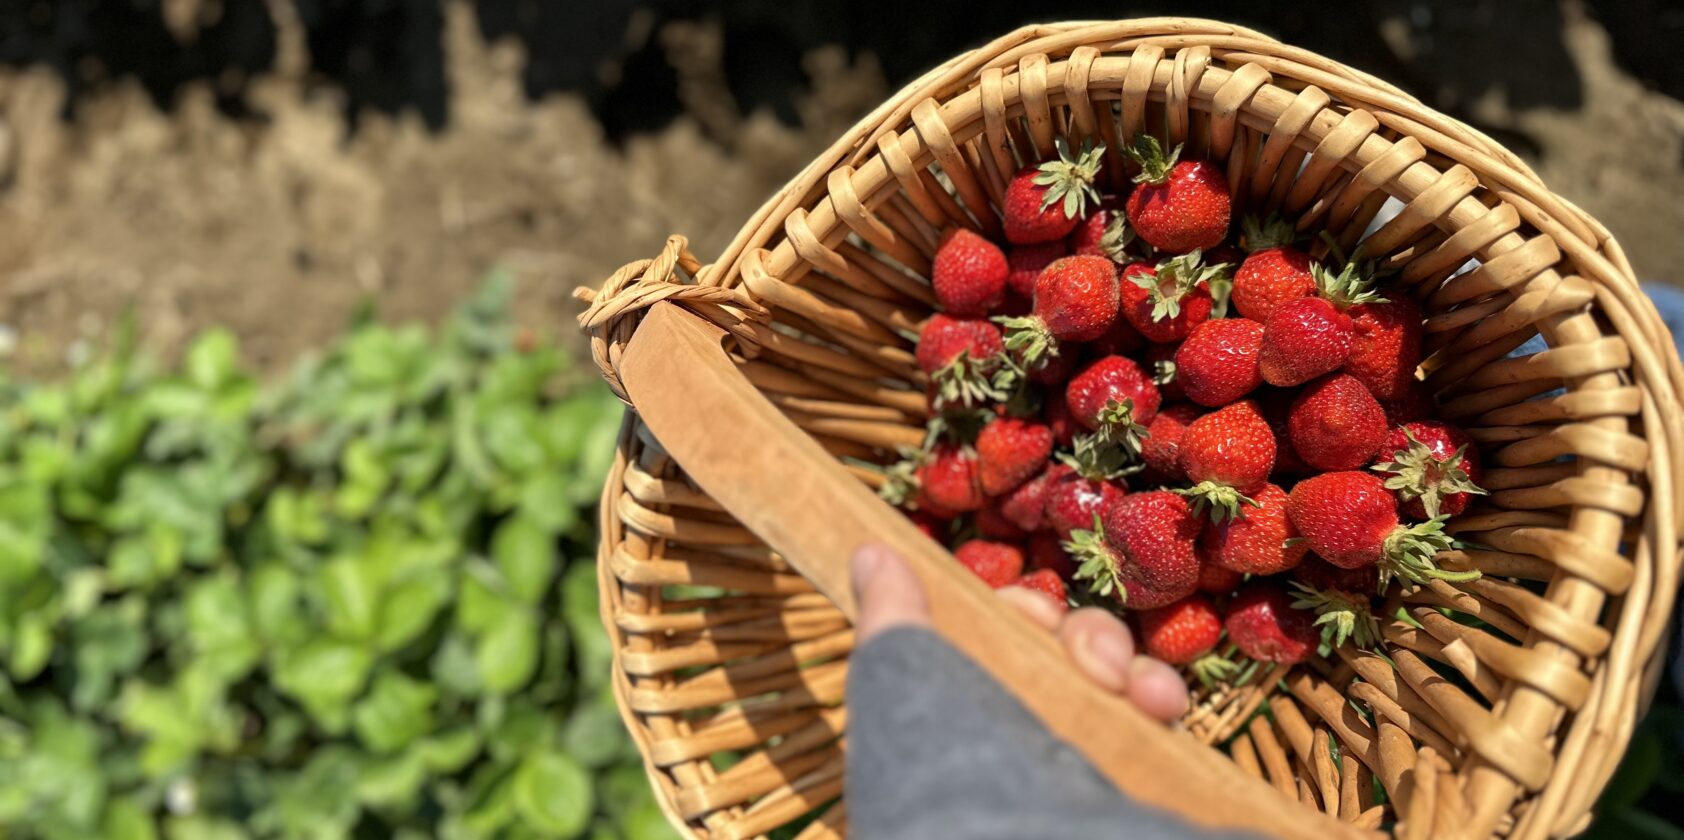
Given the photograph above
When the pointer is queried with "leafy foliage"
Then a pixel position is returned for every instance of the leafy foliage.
(358, 602)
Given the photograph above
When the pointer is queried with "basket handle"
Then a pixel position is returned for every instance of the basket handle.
(786, 489)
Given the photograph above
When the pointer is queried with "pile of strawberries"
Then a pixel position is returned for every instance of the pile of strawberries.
(1128, 409)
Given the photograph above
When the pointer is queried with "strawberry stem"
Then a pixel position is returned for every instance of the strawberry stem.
(1069, 180)
(1340, 616)
(1213, 668)
(1350, 285)
(1098, 562)
(1408, 553)
(1222, 500)
(1114, 242)
(1097, 459)
(1155, 166)
(1272, 232)
(1175, 279)
(902, 484)
(1416, 473)
(967, 381)
(1027, 339)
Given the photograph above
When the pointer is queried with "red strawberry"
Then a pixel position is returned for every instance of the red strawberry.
(1026, 263)
(1159, 361)
(1335, 423)
(968, 274)
(1048, 583)
(1075, 300)
(1026, 505)
(1165, 302)
(948, 482)
(1044, 203)
(1217, 364)
(1179, 205)
(961, 357)
(1276, 405)
(1350, 519)
(1274, 273)
(1227, 454)
(1055, 413)
(1309, 336)
(1120, 340)
(933, 527)
(1054, 370)
(1104, 233)
(998, 564)
(1340, 598)
(1263, 625)
(1263, 541)
(1385, 346)
(992, 524)
(1113, 396)
(1415, 404)
(1155, 535)
(1073, 499)
(1181, 632)
(1010, 451)
(1434, 468)
(1218, 580)
(1161, 448)
(1046, 551)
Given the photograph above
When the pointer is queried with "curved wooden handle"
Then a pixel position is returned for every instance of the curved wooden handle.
(791, 493)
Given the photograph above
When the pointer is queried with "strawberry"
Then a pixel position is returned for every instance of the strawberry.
(1276, 405)
(1054, 370)
(1218, 580)
(1262, 542)
(1155, 535)
(1161, 447)
(1044, 203)
(1227, 454)
(1434, 468)
(1104, 233)
(943, 482)
(1056, 414)
(1385, 346)
(1274, 273)
(1159, 361)
(992, 524)
(1010, 451)
(1048, 583)
(1335, 424)
(1181, 632)
(1340, 598)
(1415, 404)
(934, 527)
(962, 357)
(968, 274)
(1025, 263)
(997, 563)
(1046, 551)
(1025, 506)
(1120, 340)
(1263, 625)
(1075, 300)
(1114, 397)
(1309, 336)
(1217, 364)
(1350, 519)
(1165, 302)
(1178, 205)
(1073, 499)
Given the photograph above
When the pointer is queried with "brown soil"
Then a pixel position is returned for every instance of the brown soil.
(279, 228)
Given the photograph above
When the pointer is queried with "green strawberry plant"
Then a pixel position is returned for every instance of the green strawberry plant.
(358, 601)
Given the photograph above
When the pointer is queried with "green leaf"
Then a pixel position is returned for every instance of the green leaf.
(324, 675)
(396, 711)
(553, 794)
(525, 554)
(31, 647)
(449, 752)
(125, 820)
(594, 735)
(212, 359)
(410, 607)
(351, 587)
(507, 654)
(546, 499)
(392, 781)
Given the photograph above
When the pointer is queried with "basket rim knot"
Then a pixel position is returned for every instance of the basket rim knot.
(672, 275)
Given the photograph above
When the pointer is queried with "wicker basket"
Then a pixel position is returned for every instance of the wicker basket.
(722, 647)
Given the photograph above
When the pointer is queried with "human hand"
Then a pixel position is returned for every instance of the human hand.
(1102, 647)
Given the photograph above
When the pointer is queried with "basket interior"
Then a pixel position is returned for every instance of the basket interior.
(1498, 705)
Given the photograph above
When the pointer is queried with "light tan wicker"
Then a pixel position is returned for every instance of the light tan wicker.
(723, 649)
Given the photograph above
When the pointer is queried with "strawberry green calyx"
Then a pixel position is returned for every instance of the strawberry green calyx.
(1408, 553)
(1340, 616)
(1028, 340)
(901, 486)
(1175, 279)
(1271, 232)
(1118, 426)
(1213, 668)
(967, 381)
(1349, 286)
(1221, 500)
(1114, 242)
(1098, 459)
(1415, 473)
(1070, 179)
(1163, 372)
(1097, 562)
(1154, 165)
(959, 426)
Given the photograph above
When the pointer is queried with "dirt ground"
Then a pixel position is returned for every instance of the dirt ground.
(280, 227)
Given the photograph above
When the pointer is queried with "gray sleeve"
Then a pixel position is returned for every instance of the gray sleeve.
(937, 749)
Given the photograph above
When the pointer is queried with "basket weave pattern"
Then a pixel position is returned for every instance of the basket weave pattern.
(721, 647)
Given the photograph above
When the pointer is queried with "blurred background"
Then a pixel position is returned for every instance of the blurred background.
(296, 518)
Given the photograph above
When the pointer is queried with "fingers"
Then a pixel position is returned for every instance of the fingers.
(1101, 645)
(1157, 689)
(1035, 606)
(886, 592)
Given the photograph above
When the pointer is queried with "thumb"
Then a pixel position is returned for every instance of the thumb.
(886, 592)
